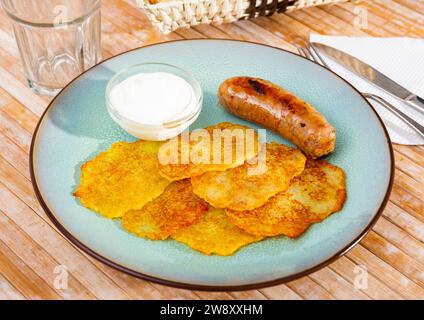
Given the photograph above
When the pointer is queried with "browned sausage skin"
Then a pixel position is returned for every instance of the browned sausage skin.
(267, 104)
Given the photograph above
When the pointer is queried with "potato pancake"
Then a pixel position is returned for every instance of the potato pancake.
(312, 196)
(215, 148)
(321, 189)
(124, 177)
(239, 189)
(215, 234)
(279, 216)
(177, 207)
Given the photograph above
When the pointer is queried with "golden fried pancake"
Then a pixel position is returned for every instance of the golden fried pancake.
(214, 233)
(240, 189)
(177, 207)
(320, 188)
(124, 177)
(278, 216)
(312, 197)
(215, 148)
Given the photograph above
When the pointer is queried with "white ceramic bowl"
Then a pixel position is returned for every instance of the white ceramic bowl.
(148, 131)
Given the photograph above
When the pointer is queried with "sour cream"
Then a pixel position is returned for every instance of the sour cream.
(153, 105)
(153, 98)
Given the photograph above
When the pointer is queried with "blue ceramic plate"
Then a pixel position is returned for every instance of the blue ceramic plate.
(76, 126)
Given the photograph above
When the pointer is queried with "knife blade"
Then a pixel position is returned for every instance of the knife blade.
(372, 75)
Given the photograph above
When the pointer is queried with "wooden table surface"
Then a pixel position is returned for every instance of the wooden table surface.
(34, 256)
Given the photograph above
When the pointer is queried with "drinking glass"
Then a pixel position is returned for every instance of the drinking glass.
(57, 39)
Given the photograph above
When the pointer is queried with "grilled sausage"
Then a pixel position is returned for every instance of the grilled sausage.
(267, 104)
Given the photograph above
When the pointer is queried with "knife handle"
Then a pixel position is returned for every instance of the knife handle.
(408, 120)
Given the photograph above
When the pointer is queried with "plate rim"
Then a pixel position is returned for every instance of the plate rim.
(190, 286)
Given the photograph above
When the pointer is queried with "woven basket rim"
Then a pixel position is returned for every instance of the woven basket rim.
(171, 3)
(173, 14)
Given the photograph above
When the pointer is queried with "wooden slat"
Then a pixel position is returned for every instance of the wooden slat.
(389, 275)
(309, 289)
(249, 295)
(411, 225)
(60, 249)
(211, 32)
(409, 167)
(214, 295)
(38, 259)
(400, 239)
(408, 266)
(281, 292)
(22, 277)
(392, 10)
(8, 291)
(12, 150)
(376, 26)
(413, 153)
(375, 289)
(21, 93)
(24, 117)
(408, 202)
(409, 184)
(337, 285)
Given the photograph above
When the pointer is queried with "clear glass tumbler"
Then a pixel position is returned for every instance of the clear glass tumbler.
(57, 39)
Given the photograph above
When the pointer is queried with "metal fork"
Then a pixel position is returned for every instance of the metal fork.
(310, 53)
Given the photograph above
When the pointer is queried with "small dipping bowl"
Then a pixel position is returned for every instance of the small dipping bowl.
(154, 132)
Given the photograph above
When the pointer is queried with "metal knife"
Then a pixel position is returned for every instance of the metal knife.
(372, 75)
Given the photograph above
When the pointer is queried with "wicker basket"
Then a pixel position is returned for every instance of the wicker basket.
(171, 15)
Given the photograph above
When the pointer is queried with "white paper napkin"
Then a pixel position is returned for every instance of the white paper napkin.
(401, 59)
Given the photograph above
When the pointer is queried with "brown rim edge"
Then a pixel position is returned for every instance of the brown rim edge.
(188, 286)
